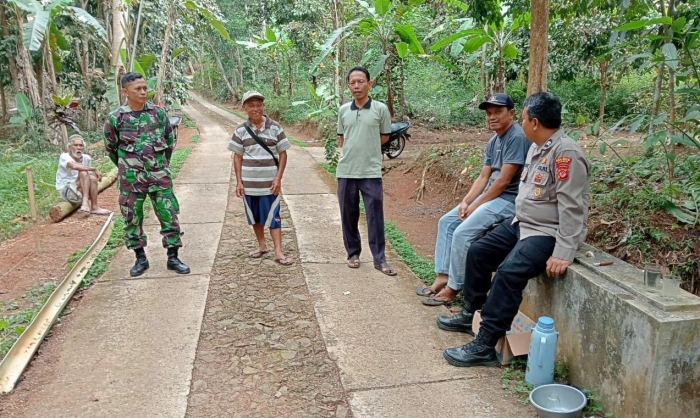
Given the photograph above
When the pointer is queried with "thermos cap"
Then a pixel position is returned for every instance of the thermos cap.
(545, 322)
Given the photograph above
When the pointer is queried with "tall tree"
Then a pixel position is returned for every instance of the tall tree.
(539, 29)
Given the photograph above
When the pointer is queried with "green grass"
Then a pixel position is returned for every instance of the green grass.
(189, 122)
(195, 138)
(421, 267)
(235, 112)
(297, 142)
(13, 321)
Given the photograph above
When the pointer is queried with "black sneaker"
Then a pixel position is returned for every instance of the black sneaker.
(459, 322)
(139, 267)
(476, 353)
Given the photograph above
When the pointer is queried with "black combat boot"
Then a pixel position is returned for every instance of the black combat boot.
(141, 264)
(174, 263)
(459, 322)
(479, 352)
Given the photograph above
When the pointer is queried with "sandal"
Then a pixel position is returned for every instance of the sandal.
(433, 301)
(257, 253)
(424, 291)
(85, 209)
(384, 268)
(100, 211)
(354, 262)
(284, 261)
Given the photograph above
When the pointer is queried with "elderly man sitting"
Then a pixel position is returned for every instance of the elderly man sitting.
(76, 180)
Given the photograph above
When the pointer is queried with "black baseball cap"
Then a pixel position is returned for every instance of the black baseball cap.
(498, 99)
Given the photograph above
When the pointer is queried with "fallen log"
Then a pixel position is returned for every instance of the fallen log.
(62, 209)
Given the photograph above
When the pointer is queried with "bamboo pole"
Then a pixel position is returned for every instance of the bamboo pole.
(32, 207)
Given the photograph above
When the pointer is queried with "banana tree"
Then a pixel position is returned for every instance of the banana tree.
(494, 44)
(275, 43)
(40, 32)
(174, 9)
(382, 23)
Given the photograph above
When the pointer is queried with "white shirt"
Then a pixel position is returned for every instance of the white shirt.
(66, 176)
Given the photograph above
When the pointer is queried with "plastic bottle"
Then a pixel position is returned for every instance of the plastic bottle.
(543, 353)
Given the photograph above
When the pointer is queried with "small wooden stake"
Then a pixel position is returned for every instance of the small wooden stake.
(32, 207)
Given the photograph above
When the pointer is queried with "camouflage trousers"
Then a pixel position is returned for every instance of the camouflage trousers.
(166, 209)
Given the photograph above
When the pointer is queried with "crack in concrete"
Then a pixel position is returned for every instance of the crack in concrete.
(412, 384)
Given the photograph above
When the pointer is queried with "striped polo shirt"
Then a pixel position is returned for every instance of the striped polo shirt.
(259, 168)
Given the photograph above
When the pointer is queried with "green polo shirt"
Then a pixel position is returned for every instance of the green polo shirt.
(361, 155)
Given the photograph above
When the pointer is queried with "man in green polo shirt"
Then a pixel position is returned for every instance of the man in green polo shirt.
(363, 126)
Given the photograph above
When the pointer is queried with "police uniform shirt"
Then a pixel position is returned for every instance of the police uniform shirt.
(554, 193)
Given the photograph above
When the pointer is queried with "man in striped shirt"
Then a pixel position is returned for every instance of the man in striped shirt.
(259, 171)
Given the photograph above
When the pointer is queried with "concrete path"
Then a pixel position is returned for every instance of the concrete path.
(129, 349)
(386, 343)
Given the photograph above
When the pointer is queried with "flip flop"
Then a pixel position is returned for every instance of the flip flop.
(432, 301)
(100, 211)
(354, 262)
(384, 268)
(257, 253)
(424, 291)
(284, 261)
(84, 209)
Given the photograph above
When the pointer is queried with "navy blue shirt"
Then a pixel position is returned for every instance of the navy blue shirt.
(511, 148)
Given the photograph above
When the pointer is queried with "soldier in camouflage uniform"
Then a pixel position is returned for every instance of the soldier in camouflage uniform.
(140, 141)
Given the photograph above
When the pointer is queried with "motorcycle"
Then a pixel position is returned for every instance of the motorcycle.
(397, 139)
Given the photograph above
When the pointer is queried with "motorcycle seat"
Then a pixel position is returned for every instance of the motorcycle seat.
(174, 120)
(399, 126)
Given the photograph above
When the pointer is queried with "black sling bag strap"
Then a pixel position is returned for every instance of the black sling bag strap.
(262, 144)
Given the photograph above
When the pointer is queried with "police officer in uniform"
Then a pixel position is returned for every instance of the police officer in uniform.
(551, 213)
(139, 140)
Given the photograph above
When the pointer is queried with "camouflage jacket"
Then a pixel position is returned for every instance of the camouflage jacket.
(140, 144)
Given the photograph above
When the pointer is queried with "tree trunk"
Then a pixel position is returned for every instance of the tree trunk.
(290, 75)
(240, 66)
(3, 103)
(172, 15)
(231, 90)
(603, 67)
(539, 27)
(671, 78)
(484, 84)
(48, 56)
(276, 83)
(389, 92)
(499, 83)
(118, 26)
(6, 34)
(402, 88)
(336, 54)
(656, 104)
(27, 81)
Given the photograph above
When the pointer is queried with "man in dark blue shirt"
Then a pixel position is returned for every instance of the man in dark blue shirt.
(490, 200)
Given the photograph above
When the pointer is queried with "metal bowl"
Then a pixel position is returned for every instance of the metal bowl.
(558, 401)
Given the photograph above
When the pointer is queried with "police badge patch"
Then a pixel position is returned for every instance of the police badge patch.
(562, 164)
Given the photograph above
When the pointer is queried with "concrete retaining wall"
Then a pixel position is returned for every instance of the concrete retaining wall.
(640, 351)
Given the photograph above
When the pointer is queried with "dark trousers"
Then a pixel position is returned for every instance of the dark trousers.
(515, 262)
(349, 199)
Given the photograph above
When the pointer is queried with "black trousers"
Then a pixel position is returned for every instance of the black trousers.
(515, 262)
(349, 200)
